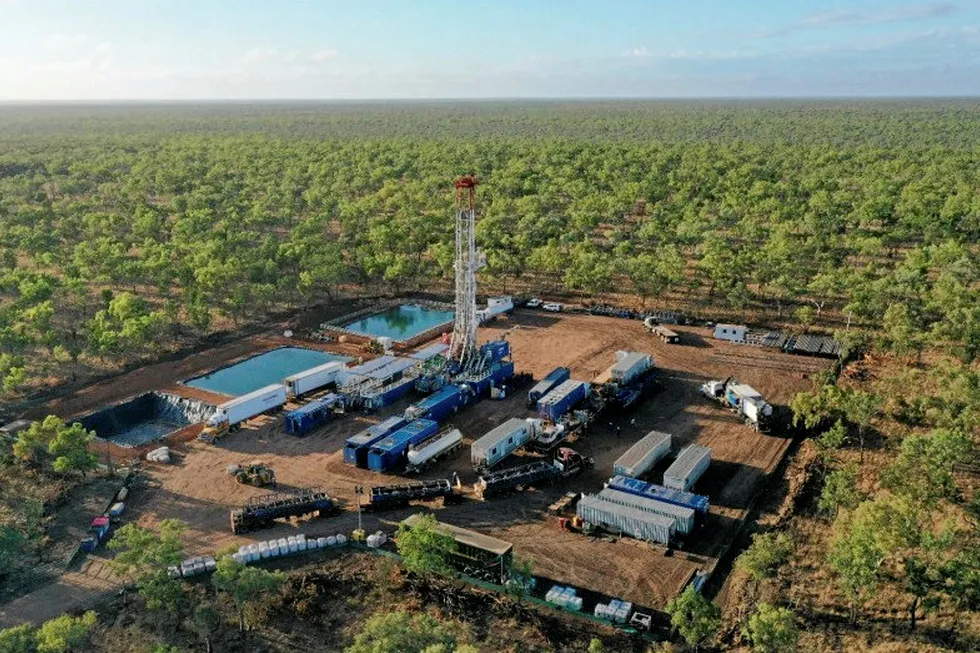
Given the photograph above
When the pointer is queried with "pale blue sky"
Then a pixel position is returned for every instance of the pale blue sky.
(204, 49)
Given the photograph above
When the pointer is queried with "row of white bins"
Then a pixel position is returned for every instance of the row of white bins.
(376, 540)
(615, 611)
(194, 567)
(284, 546)
(642, 456)
(684, 472)
(627, 520)
(566, 597)
(683, 516)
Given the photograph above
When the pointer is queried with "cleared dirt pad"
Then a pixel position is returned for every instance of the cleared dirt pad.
(198, 491)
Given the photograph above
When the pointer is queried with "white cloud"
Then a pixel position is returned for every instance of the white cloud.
(323, 55)
(260, 55)
(641, 51)
(65, 42)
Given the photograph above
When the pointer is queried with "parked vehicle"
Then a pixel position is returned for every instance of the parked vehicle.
(261, 512)
(669, 336)
(397, 496)
(742, 399)
(534, 303)
(257, 474)
(553, 307)
(563, 398)
(232, 413)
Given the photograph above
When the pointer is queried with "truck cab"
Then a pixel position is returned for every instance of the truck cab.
(216, 426)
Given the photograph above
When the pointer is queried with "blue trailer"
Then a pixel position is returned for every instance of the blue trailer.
(389, 394)
(390, 452)
(438, 406)
(356, 448)
(316, 413)
(640, 488)
(548, 383)
(562, 399)
(480, 387)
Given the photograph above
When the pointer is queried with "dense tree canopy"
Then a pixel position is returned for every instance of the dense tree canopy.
(120, 226)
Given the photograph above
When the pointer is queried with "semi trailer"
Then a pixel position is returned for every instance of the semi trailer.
(232, 413)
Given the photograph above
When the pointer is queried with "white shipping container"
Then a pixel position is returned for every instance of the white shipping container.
(642, 456)
(625, 519)
(629, 365)
(254, 403)
(683, 517)
(500, 443)
(684, 472)
(313, 378)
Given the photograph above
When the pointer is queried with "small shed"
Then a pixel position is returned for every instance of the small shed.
(731, 332)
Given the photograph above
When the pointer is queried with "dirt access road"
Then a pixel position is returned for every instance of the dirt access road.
(198, 491)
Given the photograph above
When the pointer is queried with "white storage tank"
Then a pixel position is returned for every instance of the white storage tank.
(684, 472)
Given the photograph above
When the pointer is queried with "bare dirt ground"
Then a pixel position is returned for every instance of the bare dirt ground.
(198, 491)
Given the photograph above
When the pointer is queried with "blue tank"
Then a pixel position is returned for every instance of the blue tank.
(697, 502)
(356, 447)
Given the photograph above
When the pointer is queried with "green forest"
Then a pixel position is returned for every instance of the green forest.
(124, 228)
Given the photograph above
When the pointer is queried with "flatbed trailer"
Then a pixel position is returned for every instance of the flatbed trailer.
(262, 512)
(396, 496)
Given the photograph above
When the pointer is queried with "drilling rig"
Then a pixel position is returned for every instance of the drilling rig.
(462, 348)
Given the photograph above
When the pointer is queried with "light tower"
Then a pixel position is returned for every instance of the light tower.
(462, 348)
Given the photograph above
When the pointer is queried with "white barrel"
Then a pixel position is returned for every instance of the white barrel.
(283, 546)
(122, 494)
(332, 540)
(253, 552)
(243, 549)
(341, 540)
(301, 543)
(293, 547)
(323, 542)
(263, 549)
(210, 564)
(371, 541)
(382, 538)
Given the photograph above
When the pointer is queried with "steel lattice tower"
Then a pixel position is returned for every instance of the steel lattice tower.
(462, 347)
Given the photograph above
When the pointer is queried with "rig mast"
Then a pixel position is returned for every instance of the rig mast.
(462, 347)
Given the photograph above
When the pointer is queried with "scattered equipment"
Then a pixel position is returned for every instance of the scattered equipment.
(261, 512)
(159, 455)
(687, 469)
(256, 474)
(232, 413)
(567, 462)
(642, 456)
(742, 399)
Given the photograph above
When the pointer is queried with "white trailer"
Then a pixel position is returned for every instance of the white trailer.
(642, 456)
(629, 365)
(428, 451)
(684, 518)
(684, 472)
(234, 412)
(313, 379)
(500, 442)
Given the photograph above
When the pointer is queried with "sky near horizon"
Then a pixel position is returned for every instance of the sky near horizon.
(336, 49)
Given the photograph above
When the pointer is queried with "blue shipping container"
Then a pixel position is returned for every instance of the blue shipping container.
(495, 350)
(502, 373)
(356, 448)
(643, 489)
(548, 383)
(306, 418)
(389, 452)
(562, 399)
(438, 406)
(391, 394)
